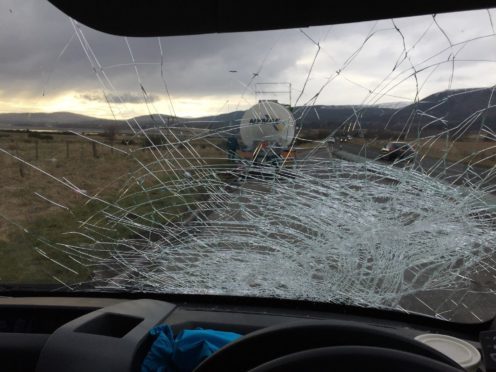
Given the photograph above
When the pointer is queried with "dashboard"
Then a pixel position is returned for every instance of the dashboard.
(111, 334)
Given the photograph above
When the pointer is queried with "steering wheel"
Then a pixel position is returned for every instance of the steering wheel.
(354, 358)
(310, 345)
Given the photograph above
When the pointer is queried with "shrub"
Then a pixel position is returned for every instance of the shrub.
(40, 136)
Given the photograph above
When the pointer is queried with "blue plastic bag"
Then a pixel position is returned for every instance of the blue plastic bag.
(186, 351)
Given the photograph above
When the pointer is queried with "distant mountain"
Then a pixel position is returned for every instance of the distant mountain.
(468, 109)
(334, 117)
(155, 120)
(216, 121)
(55, 120)
(448, 109)
(392, 105)
(42, 118)
(463, 109)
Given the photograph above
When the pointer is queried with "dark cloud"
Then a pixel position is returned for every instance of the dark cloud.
(119, 98)
(34, 35)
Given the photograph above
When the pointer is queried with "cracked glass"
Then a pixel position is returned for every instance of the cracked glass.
(351, 164)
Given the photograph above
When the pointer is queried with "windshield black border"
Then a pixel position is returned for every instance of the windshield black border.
(262, 304)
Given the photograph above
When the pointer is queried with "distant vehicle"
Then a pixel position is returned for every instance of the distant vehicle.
(397, 150)
(345, 138)
(331, 140)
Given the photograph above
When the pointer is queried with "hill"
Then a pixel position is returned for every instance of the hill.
(467, 109)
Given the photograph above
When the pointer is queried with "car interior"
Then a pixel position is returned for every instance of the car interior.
(44, 330)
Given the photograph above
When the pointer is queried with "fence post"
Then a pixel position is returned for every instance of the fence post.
(36, 149)
(67, 149)
(21, 168)
(93, 145)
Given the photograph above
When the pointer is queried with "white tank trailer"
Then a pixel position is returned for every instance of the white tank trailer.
(267, 131)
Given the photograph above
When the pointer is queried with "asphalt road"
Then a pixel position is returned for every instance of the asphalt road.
(468, 304)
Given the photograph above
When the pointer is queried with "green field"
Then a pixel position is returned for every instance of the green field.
(41, 216)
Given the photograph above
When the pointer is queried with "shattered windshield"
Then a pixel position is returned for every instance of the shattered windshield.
(253, 164)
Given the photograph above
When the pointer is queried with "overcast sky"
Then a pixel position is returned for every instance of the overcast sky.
(44, 64)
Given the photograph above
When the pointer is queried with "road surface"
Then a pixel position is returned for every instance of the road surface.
(245, 232)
